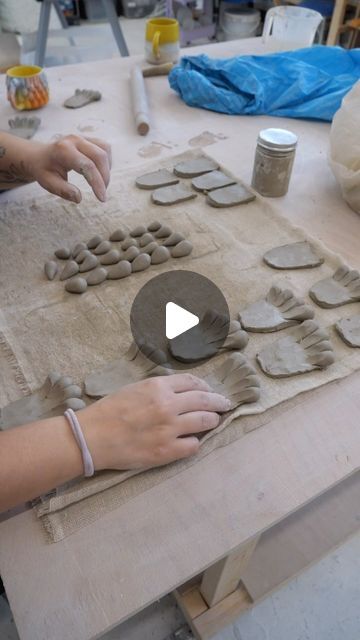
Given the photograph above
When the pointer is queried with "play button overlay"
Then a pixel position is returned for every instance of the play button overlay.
(179, 317)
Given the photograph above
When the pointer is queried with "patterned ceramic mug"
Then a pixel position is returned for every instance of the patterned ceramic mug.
(162, 40)
(27, 87)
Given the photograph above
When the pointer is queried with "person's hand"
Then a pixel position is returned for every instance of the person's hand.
(51, 163)
(151, 423)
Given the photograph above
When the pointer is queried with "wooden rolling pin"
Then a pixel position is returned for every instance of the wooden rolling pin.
(139, 101)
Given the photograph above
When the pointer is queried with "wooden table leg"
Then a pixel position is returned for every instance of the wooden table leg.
(336, 21)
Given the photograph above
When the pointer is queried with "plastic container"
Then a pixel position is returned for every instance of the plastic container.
(240, 23)
(288, 27)
(137, 8)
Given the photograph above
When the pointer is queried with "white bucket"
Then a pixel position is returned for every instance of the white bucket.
(240, 23)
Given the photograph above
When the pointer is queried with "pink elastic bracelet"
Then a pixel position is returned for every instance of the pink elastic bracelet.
(74, 423)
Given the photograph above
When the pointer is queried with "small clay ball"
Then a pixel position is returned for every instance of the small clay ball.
(149, 247)
(82, 255)
(75, 404)
(97, 276)
(145, 239)
(51, 268)
(138, 231)
(131, 253)
(111, 257)
(154, 226)
(71, 269)
(63, 253)
(89, 263)
(184, 248)
(129, 242)
(117, 235)
(120, 270)
(78, 247)
(161, 254)
(141, 263)
(175, 238)
(76, 285)
(163, 232)
(94, 241)
(103, 247)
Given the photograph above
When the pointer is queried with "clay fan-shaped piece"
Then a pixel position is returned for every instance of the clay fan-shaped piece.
(172, 195)
(195, 167)
(235, 379)
(156, 179)
(82, 97)
(230, 196)
(305, 348)
(341, 288)
(133, 366)
(24, 126)
(298, 255)
(212, 180)
(278, 310)
(349, 330)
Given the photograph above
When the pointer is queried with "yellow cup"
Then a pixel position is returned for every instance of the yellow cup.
(162, 42)
(27, 87)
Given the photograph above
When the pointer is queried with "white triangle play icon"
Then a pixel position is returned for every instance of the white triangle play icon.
(178, 320)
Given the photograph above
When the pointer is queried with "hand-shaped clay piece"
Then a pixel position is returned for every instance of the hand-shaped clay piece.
(235, 379)
(230, 196)
(303, 349)
(133, 366)
(298, 255)
(214, 334)
(279, 309)
(195, 167)
(172, 195)
(57, 394)
(24, 126)
(82, 97)
(341, 288)
(156, 179)
(349, 330)
(212, 180)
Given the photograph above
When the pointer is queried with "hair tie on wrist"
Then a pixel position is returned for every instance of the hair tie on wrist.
(74, 423)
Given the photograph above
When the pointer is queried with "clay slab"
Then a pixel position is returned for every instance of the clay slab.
(82, 97)
(195, 167)
(278, 310)
(236, 380)
(341, 288)
(156, 179)
(212, 180)
(230, 196)
(349, 330)
(172, 195)
(298, 255)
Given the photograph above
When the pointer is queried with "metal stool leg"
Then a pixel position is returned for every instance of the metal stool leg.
(42, 33)
(116, 29)
(60, 14)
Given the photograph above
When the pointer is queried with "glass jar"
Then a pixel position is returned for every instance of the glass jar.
(274, 159)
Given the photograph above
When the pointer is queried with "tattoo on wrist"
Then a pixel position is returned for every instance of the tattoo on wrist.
(14, 174)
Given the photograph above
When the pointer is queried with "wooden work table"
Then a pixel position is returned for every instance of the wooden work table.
(306, 455)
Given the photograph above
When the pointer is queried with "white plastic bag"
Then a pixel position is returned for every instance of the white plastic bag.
(345, 147)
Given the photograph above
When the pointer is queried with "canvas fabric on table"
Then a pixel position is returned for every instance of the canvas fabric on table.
(45, 328)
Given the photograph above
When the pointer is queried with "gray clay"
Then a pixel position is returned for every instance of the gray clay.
(138, 231)
(81, 98)
(80, 246)
(117, 236)
(155, 179)
(298, 255)
(341, 288)
(94, 241)
(111, 257)
(278, 310)
(76, 285)
(89, 263)
(236, 380)
(212, 180)
(85, 253)
(103, 247)
(63, 253)
(172, 195)
(154, 226)
(163, 232)
(133, 366)
(160, 255)
(305, 348)
(71, 269)
(131, 253)
(24, 126)
(129, 242)
(97, 276)
(146, 239)
(120, 270)
(52, 399)
(51, 268)
(173, 239)
(195, 167)
(230, 196)
(149, 248)
(184, 248)
(349, 330)
(141, 262)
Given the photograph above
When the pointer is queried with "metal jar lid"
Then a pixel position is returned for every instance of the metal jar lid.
(277, 139)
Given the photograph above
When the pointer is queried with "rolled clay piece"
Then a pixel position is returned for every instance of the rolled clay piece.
(146, 239)
(149, 248)
(78, 247)
(173, 239)
(89, 263)
(212, 180)
(111, 257)
(63, 253)
(160, 255)
(131, 253)
(349, 330)
(85, 253)
(71, 269)
(341, 288)
(154, 226)
(156, 179)
(184, 248)
(278, 310)
(236, 380)
(51, 268)
(172, 195)
(94, 241)
(117, 235)
(82, 97)
(103, 247)
(129, 242)
(120, 270)
(97, 276)
(298, 255)
(76, 285)
(163, 232)
(305, 348)
(141, 262)
(230, 196)
(195, 167)
(138, 231)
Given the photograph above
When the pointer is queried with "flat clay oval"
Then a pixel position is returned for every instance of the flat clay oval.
(173, 239)
(111, 257)
(78, 247)
(297, 255)
(146, 239)
(131, 253)
(212, 180)
(195, 167)
(129, 242)
(163, 232)
(141, 263)
(172, 195)
(160, 255)
(76, 285)
(184, 248)
(149, 247)
(97, 276)
(71, 269)
(94, 241)
(155, 179)
(51, 268)
(82, 255)
(154, 226)
(349, 330)
(62, 253)
(117, 235)
(120, 270)
(230, 196)
(89, 263)
(138, 231)
(103, 247)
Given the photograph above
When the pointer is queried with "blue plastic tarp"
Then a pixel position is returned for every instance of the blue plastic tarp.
(305, 83)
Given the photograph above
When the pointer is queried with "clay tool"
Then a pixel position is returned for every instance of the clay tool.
(139, 101)
(158, 70)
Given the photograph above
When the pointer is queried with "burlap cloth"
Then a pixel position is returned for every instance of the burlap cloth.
(44, 328)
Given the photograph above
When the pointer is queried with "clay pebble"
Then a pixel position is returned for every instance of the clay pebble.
(149, 248)
(160, 255)
(117, 235)
(154, 226)
(163, 232)
(138, 231)
(297, 255)
(277, 310)
(75, 404)
(62, 253)
(71, 269)
(172, 195)
(103, 247)
(131, 253)
(111, 257)
(94, 241)
(82, 255)
(51, 268)
(141, 262)
(341, 288)
(155, 179)
(195, 167)
(97, 276)
(184, 248)
(89, 263)
(349, 330)
(78, 247)
(212, 180)
(146, 239)
(129, 242)
(173, 239)
(76, 285)
(120, 270)
(230, 196)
